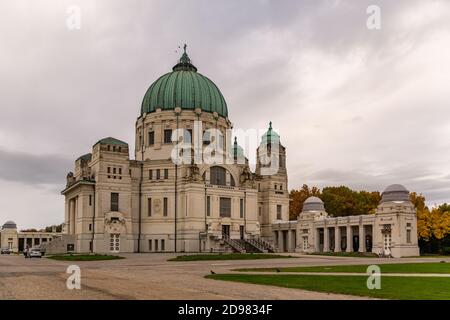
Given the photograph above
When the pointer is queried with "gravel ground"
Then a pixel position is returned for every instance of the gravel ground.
(150, 276)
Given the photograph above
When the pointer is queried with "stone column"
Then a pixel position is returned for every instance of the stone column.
(75, 216)
(275, 238)
(316, 240)
(326, 239)
(337, 239)
(71, 216)
(280, 241)
(362, 244)
(349, 239)
(289, 241)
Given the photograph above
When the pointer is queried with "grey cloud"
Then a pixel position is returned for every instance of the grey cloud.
(63, 90)
(33, 169)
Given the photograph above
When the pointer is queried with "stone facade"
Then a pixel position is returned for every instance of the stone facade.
(391, 231)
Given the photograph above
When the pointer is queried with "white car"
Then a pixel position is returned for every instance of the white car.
(35, 253)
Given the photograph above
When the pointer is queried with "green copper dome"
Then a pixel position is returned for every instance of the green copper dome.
(184, 87)
(270, 136)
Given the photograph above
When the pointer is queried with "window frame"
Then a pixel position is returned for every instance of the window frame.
(167, 136)
(151, 138)
(225, 207)
(165, 207)
(114, 203)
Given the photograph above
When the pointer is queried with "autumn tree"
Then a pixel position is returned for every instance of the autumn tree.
(297, 197)
(433, 226)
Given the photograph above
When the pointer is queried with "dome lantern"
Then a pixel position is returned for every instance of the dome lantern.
(185, 88)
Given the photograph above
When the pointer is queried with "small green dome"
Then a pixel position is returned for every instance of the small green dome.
(184, 87)
(270, 136)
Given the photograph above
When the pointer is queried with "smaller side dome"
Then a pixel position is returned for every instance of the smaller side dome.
(313, 204)
(270, 136)
(395, 192)
(9, 225)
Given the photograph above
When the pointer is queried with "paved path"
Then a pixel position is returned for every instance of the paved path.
(151, 276)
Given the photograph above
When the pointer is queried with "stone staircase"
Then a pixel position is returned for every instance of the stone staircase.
(234, 244)
(261, 245)
(248, 245)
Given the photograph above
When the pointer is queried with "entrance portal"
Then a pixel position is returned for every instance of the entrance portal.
(226, 231)
(355, 243)
(114, 244)
(369, 243)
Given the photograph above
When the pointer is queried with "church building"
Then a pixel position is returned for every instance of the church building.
(154, 202)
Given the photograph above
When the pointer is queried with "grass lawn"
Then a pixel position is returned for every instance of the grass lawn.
(411, 288)
(228, 256)
(427, 267)
(84, 257)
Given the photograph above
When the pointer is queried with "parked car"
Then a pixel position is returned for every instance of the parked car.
(5, 251)
(35, 253)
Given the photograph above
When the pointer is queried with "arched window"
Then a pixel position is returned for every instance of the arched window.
(218, 176)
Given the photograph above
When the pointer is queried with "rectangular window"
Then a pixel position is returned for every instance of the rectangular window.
(114, 201)
(408, 236)
(156, 244)
(158, 174)
(168, 136)
(90, 200)
(149, 207)
(120, 170)
(279, 212)
(221, 140)
(208, 206)
(109, 169)
(150, 245)
(225, 207)
(163, 245)
(206, 138)
(150, 174)
(241, 208)
(90, 226)
(114, 170)
(151, 138)
(187, 136)
(165, 207)
(166, 173)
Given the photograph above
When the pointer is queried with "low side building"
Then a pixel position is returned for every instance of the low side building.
(391, 231)
(17, 241)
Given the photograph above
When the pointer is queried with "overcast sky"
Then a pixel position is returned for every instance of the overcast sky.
(356, 107)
